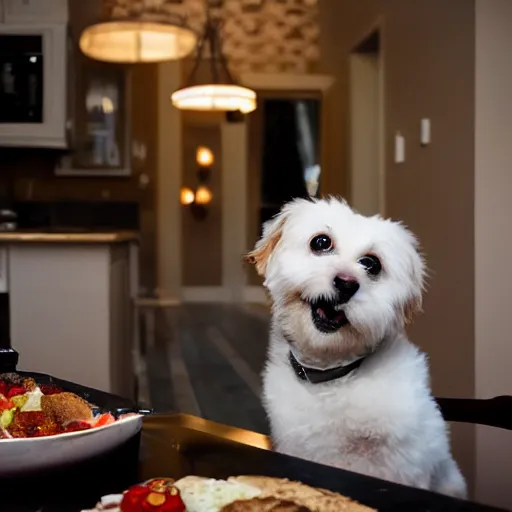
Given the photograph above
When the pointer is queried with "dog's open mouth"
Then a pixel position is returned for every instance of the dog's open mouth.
(327, 315)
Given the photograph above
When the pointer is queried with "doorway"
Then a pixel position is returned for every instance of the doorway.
(367, 170)
(284, 139)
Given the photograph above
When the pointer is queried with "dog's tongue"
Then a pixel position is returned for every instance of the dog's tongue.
(330, 314)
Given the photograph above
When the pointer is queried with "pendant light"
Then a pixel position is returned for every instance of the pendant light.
(220, 92)
(145, 32)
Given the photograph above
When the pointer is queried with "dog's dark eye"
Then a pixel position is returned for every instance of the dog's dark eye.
(371, 264)
(321, 243)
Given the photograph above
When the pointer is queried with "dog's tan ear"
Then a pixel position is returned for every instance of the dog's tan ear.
(265, 246)
(411, 308)
(414, 305)
(417, 271)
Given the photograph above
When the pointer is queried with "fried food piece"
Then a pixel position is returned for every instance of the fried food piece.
(264, 505)
(317, 500)
(33, 424)
(66, 407)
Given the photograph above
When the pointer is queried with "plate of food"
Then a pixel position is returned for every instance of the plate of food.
(45, 424)
(236, 494)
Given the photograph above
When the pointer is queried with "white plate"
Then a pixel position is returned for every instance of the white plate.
(23, 455)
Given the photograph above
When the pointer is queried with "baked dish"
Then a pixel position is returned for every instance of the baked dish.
(236, 494)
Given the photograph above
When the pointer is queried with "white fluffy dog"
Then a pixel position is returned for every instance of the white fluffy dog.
(343, 385)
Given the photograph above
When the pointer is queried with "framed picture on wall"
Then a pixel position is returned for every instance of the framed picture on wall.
(100, 134)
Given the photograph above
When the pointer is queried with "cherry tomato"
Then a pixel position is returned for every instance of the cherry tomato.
(104, 419)
(158, 495)
(15, 391)
(50, 389)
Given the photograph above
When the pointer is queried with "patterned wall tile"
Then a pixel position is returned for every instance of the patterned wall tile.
(257, 35)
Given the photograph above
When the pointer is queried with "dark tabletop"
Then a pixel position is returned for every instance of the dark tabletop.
(177, 445)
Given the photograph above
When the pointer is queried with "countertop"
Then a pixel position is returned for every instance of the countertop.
(62, 236)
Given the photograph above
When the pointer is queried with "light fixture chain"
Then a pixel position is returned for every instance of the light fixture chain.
(221, 91)
(213, 52)
(198, 59)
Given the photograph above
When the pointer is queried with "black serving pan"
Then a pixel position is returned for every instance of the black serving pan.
(104, 402)
(71, 487)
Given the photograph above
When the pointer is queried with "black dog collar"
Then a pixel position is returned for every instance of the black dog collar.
(316, 376)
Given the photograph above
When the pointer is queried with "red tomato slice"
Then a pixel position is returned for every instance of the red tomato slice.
(104, 419)
(5, 405)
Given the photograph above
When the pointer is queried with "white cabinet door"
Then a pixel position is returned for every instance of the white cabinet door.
(35, 11)
(52, 131)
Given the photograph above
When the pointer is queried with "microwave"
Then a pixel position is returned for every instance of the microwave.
(33, 85)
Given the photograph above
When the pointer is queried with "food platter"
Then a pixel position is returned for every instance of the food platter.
(120, 420)
(236, 494)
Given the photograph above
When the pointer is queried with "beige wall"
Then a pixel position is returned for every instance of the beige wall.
(202, 239)
(365, 92)
(168, 182)
(428, 47)
(493, 238)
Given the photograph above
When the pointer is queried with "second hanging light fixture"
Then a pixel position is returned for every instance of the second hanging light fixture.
(220, 91)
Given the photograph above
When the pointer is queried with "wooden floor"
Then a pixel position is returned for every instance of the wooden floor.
(206, 360)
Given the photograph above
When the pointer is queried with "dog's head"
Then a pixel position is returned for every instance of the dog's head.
(340, 282)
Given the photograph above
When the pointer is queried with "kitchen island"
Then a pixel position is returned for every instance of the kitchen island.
(71, 304)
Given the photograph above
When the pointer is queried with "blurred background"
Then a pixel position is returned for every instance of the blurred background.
(144, 142)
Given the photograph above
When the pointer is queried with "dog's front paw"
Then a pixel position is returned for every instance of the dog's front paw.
(448, 480)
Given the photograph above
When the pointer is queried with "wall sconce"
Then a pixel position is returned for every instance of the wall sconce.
(204, 156)
(199, 199)
(187, 196)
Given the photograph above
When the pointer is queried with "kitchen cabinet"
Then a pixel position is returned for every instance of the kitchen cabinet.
(52, 96)
(75, 104)
(72, 310)
(34, 59)
(33, 98)
(100, 136)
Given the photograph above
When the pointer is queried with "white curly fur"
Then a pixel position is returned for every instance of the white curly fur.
(381, 419)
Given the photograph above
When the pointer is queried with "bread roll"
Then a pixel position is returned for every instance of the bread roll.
(317, 500)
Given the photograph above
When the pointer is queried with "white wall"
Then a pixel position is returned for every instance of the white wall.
(493, 239)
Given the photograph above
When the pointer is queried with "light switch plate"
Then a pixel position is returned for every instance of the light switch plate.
(425, 137)
(399, 148)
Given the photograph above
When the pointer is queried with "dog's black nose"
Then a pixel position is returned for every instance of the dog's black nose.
(346, 288)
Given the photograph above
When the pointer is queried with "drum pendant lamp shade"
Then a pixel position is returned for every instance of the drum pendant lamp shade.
(138, 31)
(220, 92)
